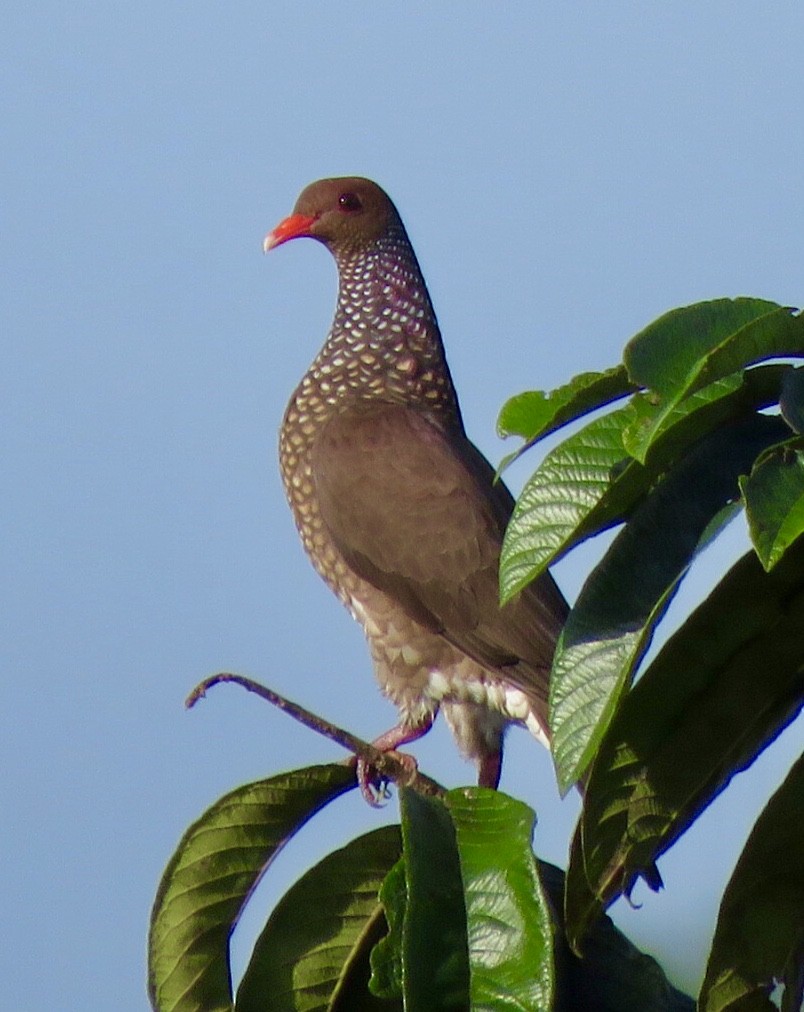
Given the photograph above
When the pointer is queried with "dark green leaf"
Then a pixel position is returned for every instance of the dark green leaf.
(775, 334)
(719, 692)
(386, 958)
(509, 925)
(588, 484)
(760, 930)
(210, 877)
(613, 976)
(321, 929)
(434, 950)
(613, 620)
(791, 401)
(355, 994)
(774, 500)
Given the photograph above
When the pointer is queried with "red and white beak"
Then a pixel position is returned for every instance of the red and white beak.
(292, 227)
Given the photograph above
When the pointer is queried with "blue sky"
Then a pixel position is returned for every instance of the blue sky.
(567, 173)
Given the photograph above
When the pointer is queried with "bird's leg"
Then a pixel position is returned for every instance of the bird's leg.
(371, 785)
(489, 768)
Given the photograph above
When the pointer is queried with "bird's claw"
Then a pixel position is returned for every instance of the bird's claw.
(374, 786)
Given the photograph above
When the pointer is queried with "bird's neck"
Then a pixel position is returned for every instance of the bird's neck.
(384, 341)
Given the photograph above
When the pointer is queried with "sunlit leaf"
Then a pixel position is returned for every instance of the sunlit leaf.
(775, 334)
(510, 932)
(536, 413)
(569, 484)
(588, 483)
(626, 594)
(663, 355)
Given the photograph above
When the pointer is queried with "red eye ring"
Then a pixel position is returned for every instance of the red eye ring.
(350, 203)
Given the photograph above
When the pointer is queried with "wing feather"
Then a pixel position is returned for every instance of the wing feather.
(415, 512)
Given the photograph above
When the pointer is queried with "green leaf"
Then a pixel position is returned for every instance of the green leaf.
(663, 355)
(569, 484)
(791, 401)
(774, 500)
(649, 414)
(512, 902)
(435, 962)
(211, 875)
(709, 356)
(536, 413)
(587, 484)
(760, 929)
(319, 936)
(720, 690)
(386, 957)
(509, 925)
(612, 623)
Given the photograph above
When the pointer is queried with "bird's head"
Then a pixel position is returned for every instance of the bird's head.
(349, 212)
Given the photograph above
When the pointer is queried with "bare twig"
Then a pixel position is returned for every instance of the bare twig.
(386, 764)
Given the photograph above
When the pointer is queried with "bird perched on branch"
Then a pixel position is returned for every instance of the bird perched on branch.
(397, 509)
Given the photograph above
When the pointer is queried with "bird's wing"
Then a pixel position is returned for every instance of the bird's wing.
(415, 513)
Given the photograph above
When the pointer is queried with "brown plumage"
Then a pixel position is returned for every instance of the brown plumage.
(395, 506)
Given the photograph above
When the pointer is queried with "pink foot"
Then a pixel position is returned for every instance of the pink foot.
(374, 787)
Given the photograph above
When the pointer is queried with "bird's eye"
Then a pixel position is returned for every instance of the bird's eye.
(350, 202)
